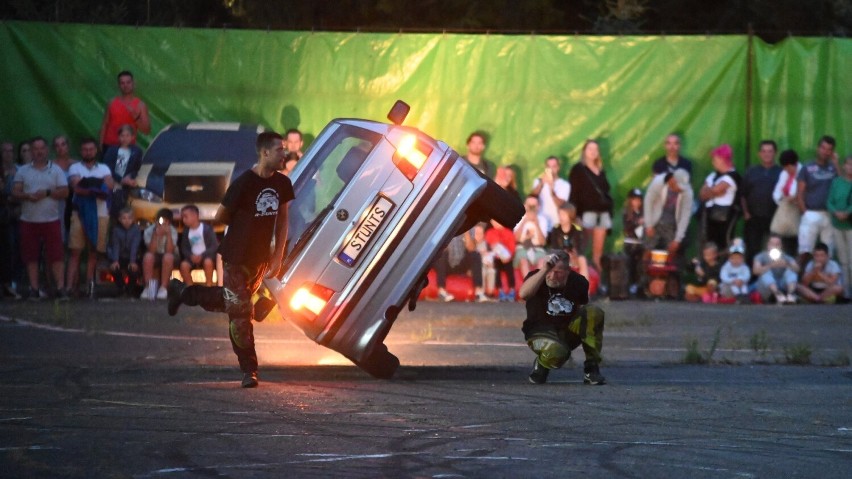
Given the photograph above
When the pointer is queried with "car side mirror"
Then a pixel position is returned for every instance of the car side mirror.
(398, 113)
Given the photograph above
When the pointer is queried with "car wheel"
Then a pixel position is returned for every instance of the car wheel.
(381, 364)
(497, 204)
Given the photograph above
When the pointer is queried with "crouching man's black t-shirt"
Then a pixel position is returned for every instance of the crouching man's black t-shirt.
(550, 309)
(254, 203)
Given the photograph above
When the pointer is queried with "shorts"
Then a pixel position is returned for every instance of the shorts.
(597, 219)
(533, 254)
(32, 236)
(200, 264)
(77, 237)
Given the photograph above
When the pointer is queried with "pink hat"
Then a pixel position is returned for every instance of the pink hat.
(725, 153)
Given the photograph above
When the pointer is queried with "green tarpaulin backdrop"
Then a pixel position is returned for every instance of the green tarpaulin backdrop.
(534, 95)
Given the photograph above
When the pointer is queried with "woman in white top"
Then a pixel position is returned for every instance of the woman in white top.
(719, 194)
(785, 191)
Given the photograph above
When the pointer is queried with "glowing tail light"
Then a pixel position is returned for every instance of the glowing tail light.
(310, 298)
(410, 156)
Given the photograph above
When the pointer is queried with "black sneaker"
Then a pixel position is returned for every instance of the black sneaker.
(250, 380)
(539, 373)
(175, 289)
(594, 378)
(262, 308)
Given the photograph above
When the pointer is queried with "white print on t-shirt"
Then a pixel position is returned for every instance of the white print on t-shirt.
(558, 305)
(266, 203)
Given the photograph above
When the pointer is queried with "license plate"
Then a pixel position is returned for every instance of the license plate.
(361, 235)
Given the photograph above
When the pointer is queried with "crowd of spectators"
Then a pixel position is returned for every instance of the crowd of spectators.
(796, 245)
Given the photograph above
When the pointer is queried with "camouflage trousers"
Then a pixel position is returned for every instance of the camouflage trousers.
(553, 348)
(234, 297)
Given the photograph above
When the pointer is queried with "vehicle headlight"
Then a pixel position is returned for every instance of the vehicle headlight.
(410, 156)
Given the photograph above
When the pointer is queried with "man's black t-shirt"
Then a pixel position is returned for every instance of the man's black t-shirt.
(254, 205)
(552, 308)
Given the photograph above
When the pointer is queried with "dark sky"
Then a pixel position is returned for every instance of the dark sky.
(770, 19)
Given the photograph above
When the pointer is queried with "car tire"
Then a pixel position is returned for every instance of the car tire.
(497, 204)
(381, 364)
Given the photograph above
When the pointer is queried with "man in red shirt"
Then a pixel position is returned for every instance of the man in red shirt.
(125, 109)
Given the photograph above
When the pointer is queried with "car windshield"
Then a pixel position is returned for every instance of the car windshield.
(323, 177)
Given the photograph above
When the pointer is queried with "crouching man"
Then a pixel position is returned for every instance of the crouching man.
(559, 319)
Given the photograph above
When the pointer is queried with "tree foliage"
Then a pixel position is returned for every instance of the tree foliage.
(771, 19)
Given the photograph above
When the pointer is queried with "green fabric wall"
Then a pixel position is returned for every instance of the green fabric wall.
(535, 95)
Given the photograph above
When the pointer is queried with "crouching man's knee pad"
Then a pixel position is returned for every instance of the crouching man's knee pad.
(551, 352)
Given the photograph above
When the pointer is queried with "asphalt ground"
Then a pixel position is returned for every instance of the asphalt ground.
(119, 389)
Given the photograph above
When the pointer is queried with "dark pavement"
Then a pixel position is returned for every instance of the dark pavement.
(119, 389)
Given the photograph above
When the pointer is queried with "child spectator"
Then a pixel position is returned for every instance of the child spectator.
(488, 272)
(160, 244)
(821, 280)
(634, 228)
(124, 162)
(529, 238)
(501, 243)
(198, 246)
(776, 272)
(735, 274)
(707, 276)
(123, 253)
(568, 237)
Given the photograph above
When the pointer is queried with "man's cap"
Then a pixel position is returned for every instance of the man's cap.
(635, 193)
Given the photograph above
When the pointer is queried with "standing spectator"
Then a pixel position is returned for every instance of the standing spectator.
(566, 236)
(123, 253)
(62, 158)
(551, 190)
(757, 203)
(293, 142)
(785, 195)
(501, 242)
(590, 194)
(840, 208)
(160, 250)
(25, 152)
(821, 282)
(776, 273)
(460, 257)
(91, 182)
(124, 162)
(530, 237)
(245, 249)
(198, 246)
(40, 187)
(505, 177)
(814, 181)
(735, 274)
(476, 145)
(633, 223)
(9, 214)
(719, 194)
(707, 276)
(125, 109)
(672, 160)
(668, 208)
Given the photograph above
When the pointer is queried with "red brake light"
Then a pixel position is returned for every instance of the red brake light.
(310, 299)
(410, 156)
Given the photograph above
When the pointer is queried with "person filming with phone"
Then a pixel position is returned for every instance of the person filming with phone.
(559, 319)
(776, 273)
